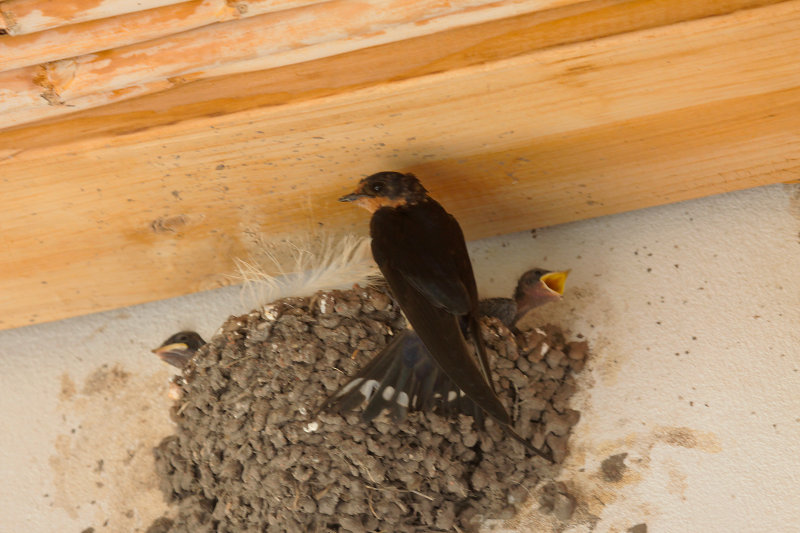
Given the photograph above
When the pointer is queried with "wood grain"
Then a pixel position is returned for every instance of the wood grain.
(511, 143)
(17, 51)
(374, 66)
(306, 33)
(28, 16)
(81, 38)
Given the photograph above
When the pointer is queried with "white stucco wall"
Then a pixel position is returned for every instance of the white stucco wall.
(693, 315)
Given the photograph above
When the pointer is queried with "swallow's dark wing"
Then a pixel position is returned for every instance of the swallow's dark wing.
(421, 252)
(426, 245)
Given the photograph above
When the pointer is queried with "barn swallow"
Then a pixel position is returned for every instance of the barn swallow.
(179, 348)
(420, 249)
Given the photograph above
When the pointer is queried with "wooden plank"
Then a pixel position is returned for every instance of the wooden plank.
(28, 16)
(449, 50)
(93, 36)
(295, 35)
(556, 135)
(79, 39)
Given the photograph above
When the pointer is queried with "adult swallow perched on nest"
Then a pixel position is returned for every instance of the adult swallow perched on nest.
(420, 250)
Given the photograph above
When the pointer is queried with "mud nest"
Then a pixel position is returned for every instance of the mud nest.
(245, 458)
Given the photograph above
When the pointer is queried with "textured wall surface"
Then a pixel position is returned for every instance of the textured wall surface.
(691, 311)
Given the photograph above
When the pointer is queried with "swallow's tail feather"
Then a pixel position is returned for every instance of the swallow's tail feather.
(402, 378)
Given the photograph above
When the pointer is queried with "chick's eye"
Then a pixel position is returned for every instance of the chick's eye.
(377, 186)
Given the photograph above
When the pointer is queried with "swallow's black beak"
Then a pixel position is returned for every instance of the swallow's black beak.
(352, 197)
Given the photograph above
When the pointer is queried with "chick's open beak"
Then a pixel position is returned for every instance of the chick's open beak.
(556, 281)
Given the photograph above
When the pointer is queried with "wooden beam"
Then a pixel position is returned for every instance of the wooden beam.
(78, 39)
(370, 67)
(305, 33)
(28, 16)
(555, 135)
(17, 51)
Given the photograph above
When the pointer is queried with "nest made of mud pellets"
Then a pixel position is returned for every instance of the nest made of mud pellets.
(243, 458)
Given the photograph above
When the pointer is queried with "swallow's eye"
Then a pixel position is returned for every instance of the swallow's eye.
(377, 186)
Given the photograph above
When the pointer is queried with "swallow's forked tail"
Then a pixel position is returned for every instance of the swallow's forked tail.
(404, 377)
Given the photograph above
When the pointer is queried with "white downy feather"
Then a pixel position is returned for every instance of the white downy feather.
(290, 268)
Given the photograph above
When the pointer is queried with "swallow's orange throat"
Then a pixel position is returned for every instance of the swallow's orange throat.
(372, 203)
